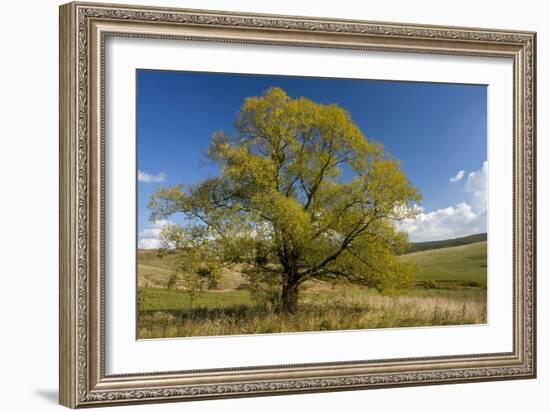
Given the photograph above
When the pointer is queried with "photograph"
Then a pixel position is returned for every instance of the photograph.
(283, 204)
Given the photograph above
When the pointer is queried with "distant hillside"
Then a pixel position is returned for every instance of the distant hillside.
(463, 264)
(155, 271)
(457, 260)
(454, 242)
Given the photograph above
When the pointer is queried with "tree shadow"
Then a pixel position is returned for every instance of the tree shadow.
(240, 312)
(212, 313)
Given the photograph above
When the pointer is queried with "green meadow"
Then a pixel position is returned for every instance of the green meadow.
(450, 289)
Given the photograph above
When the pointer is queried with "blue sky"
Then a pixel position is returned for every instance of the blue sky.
(438, 131)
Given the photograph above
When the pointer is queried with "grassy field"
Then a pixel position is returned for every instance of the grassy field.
(450, 290)
(460, 265)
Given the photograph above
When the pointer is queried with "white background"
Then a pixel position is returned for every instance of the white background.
(28, 241)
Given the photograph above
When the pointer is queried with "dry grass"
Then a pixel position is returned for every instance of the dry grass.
(320, 312)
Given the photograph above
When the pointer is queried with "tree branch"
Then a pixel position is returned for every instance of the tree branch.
(347, 240)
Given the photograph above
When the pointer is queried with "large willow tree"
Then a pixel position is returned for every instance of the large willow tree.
(301, 194)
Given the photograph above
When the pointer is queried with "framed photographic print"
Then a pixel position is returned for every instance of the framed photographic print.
(259, 204)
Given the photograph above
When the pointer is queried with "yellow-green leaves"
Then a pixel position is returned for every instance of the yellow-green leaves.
(198, 271)
(287, 217)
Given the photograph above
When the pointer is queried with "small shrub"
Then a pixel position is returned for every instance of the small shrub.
(243, 286)
(470, 283)
(326, 325)
(430, 284)
(172, 282)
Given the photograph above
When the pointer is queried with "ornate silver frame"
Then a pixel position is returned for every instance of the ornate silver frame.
(83, 30)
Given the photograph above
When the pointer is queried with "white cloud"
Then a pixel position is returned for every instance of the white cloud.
(451, 222)
(149, 244)
(457, 177)
(150, 237)
(476, 186)
(465, 218)
(150, 178)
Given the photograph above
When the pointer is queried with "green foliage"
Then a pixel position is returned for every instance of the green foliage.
(282, 185)
(173, 237)
(172, 281)
(196, 267)
(264, 287)
(198, 272)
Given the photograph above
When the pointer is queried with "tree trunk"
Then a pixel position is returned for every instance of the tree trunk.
(289, 298)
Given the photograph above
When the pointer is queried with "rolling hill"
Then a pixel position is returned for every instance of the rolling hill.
(453, 242)
(155, 271)
(460, 261)
(458, 264)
